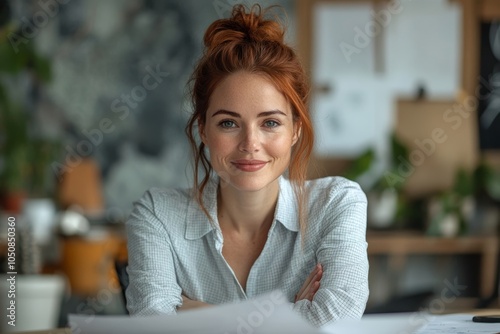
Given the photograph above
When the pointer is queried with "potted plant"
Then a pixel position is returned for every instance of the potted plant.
(456, 211)
(24, 155)
(24, 162)
(387, 205)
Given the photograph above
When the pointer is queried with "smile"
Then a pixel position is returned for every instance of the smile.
(249, 165)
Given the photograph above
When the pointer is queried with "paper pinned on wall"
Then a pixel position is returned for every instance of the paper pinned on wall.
(356, 116)
(340, 44)
(423, 48)
(360, 68)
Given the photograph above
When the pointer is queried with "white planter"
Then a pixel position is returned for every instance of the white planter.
(382, 208)
(40, 214)
(449, 227)
(37, 302)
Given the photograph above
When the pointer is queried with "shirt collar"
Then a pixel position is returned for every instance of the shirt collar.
(198, 224)
(287, 209)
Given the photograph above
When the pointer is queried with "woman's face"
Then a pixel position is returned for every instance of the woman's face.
(249, 131)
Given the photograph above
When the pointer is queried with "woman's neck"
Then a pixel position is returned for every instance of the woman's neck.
(249, 214)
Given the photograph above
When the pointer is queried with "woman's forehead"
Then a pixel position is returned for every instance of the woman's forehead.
(244, 92)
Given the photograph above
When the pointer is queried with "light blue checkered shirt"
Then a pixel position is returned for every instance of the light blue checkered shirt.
(174, 249)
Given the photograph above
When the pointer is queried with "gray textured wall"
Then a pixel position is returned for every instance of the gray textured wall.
(102, 52)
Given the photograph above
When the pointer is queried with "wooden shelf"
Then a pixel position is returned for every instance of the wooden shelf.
(399, 245)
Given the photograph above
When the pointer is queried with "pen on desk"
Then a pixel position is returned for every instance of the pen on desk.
(486, 318)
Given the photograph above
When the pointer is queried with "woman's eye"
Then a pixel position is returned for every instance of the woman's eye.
(271, 124)
(227, 124)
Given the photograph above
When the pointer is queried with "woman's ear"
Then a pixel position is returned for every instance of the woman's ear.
(201, 131)
(297, 131)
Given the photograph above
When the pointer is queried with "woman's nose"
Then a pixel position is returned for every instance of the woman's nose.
(250, 141)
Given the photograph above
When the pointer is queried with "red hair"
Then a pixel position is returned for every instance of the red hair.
(247, 41)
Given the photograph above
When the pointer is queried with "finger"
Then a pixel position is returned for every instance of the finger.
(303, 288)
(319, 274)
(310, 287)
(309, 278)
(313, 286)
(317, 277)
(307, 282)
(313, 292)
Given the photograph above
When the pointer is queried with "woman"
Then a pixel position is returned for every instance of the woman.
(252, 224)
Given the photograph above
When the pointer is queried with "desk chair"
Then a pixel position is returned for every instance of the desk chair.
(121, 272)
(487, 302)
(411, 302)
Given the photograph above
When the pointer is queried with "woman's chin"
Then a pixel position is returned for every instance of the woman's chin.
(247, 184)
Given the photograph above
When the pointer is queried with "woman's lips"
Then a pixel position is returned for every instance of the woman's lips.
(249, 165)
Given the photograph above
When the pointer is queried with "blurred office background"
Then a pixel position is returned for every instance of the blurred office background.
(93, 102)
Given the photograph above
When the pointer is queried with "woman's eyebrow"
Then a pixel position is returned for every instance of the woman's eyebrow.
(226, 112)
(261, 114)
(271, 113)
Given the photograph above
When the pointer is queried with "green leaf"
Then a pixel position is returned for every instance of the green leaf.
(493, 186)
(9, 63)
(42, 68)
(399, 150)
(360, 165)
(26, 159)
(464, 184)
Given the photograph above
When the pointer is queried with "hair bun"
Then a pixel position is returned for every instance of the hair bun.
(244, 26)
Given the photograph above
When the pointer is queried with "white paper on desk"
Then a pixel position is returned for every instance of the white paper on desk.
(269, 313)
(395, 323)
(456, 324)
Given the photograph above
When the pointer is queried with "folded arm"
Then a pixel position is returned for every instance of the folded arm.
(343, 289)
(153, 287)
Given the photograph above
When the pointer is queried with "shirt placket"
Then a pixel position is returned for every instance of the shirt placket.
(253, 275)
(219, 243)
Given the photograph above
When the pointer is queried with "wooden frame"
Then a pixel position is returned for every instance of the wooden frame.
(473, 11)
(304, 19)
(319, 167)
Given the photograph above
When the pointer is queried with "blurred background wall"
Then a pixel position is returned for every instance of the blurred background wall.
(119, 82)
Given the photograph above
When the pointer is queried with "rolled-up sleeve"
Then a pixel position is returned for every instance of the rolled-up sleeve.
(342, 251)
(153, 287)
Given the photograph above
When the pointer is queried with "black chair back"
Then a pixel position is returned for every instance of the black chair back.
(121, 272)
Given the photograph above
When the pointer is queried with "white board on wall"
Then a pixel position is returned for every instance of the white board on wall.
(366, 65)
(355, 116)
(423, 46)
(337, 49)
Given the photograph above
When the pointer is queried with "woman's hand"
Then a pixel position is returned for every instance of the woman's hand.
(188, 304)
(311, 285)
